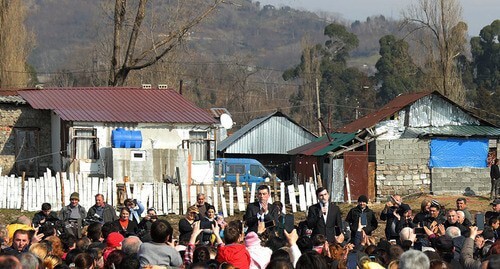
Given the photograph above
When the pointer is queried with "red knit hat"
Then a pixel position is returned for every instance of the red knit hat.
(114, 240)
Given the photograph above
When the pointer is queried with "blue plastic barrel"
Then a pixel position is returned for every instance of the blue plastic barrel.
(121, 138)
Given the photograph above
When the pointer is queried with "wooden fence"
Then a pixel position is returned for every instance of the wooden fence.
(30, 193)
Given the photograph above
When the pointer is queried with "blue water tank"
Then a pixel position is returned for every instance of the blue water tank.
(121, 138)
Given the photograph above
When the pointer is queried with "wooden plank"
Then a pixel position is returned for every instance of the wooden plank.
(57, 202)
(169, 198)
(292, 198)
(175, 200)
(252, 193)
(314, 199)
(282, 197)
(302, 198)
(223, 202)
(3, 192)
(216, 199)
(308, 194)
(231, 201)
(241, 199)
(192, 194)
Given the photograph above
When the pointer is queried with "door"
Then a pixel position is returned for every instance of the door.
(356, 170)
(26, 151)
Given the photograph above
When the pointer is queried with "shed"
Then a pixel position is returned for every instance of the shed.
(267, 139)
(418, 142)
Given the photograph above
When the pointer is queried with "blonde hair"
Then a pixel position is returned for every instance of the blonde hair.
(41, 250)
(51, 261)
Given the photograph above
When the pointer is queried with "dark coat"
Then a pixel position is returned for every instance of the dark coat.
(131, 229)
(353, 220)
(108, 215)
(250, 216)
(316, 222)
(65, 212)
(494, 172)
(39, 216)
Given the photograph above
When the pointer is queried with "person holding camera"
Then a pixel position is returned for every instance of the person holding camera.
(73, 215)
(136, 208)
(186, 224)
(392, 213)
(145, 225)
(46, 214)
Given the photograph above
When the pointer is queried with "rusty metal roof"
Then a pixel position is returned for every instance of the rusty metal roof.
(385, 112)
(117, 104)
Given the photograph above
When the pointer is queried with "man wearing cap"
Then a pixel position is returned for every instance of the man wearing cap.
(73, 214)
(324, 216)
(356, 213)
(102, 211)
(495, 212)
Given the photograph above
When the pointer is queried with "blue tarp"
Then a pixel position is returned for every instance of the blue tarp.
(455, 152)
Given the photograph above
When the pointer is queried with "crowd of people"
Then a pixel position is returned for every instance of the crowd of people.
(434, 237)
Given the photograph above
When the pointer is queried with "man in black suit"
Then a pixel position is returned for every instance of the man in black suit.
(260, 211)
(324, 216)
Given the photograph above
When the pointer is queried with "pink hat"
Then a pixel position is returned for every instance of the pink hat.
(252, 239)
(114, 240)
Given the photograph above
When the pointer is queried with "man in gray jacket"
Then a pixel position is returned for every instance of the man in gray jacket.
(160, 251)
(102, 210)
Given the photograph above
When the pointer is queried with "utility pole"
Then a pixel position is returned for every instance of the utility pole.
(319, 109)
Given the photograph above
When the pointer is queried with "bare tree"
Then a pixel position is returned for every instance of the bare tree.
(442, 34)
(130, 55)
(14, 44)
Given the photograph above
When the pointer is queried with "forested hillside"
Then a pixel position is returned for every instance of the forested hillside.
(253, 59)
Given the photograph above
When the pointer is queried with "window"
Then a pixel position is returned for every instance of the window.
(235, 169)
(85, 143)
(257, 170)
(198, 146)
(138, 155)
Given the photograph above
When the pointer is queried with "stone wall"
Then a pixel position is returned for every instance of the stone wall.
(468, 181)
(22, 116)
(402, 167)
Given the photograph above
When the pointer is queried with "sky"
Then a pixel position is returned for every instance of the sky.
(476, 13)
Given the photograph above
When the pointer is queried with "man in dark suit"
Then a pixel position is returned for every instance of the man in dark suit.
(324, 216)
(260, 211)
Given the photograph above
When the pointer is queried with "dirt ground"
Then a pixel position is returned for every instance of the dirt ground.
(475, 204)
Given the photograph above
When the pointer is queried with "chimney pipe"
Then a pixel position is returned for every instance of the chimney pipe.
(180, 87)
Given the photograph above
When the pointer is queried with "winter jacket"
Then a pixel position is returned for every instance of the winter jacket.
(108, 215)
(353, 220)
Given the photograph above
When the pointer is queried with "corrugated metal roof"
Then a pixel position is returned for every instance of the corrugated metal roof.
(117, 104)
(273, 134)
(15, 99)
(217, 111)
(453, 130)
(394, 106)
(386, 111)
(322, 146)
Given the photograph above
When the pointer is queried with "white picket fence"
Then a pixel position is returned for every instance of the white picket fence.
(164, 197)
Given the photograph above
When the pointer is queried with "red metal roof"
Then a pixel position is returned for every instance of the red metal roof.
(117, 104)
(386, 111)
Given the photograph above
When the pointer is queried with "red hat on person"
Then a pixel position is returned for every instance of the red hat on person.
(114, 240)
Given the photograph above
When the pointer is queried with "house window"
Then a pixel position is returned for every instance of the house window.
(85, 143)
(138, 155)
(198, 146)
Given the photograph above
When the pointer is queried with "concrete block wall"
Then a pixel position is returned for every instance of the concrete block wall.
(402, 167)
(471, 181)
(19, 116)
